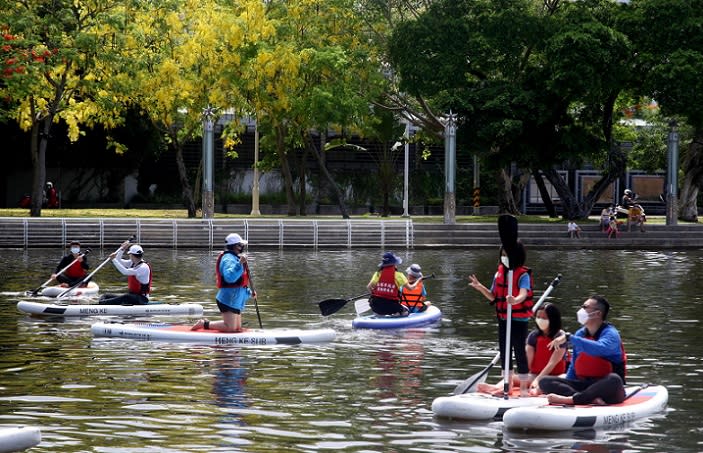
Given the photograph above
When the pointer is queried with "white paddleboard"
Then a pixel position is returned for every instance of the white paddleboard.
(373, 321)
(481, 406)
(19, 438)
(150, 309)
(645, 402)
(181, 333)
(89, 290)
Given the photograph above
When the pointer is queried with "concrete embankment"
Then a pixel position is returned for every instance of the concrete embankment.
(327, 233)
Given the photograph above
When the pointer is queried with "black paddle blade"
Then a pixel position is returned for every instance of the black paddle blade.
(507, 229)
(331, 306)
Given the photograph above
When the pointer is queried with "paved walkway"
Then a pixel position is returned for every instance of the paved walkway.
(331, 233)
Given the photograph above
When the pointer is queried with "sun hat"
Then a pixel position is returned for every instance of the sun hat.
(389, 259)
(234, 238)
(135, 250)
(415, 270)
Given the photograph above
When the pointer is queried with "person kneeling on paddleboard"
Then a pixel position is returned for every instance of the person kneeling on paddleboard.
(415, 299)
(386, 285)
(597, 371)
(138, 274)
(232, 279)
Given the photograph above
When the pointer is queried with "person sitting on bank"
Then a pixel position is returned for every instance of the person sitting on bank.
(138, 274)
(77, 267)
(386, 285)
(573, 229)
(596, 374)
(415, 299)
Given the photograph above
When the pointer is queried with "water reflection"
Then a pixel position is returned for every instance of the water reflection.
(366, 391)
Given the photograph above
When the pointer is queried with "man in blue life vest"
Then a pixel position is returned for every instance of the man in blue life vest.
(138, 274)
(232, 280)
(597, 371)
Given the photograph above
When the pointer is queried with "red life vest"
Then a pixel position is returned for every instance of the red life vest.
(75, 271)
(542, 356)
(134, 286)
(588, 366)
(522, 310)
(414, 298)
(220, 281)
(386, 287)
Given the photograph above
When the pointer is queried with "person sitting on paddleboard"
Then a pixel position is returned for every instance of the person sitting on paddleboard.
(77, 271)
(415, 299)
(232, 279)
(138, 274)
(597, 371)
(545, 357)
(385, 286)
(521, 301)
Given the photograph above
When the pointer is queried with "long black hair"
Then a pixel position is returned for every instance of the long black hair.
(554, 316)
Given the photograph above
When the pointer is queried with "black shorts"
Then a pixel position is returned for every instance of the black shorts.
(226, 308)
(382, 306)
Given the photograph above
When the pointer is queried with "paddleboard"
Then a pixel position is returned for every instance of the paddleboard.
(482, 406)
(150, 309)
(181, 333)
(19, 438)
(373, 321)
(54, 291)
(645, 401)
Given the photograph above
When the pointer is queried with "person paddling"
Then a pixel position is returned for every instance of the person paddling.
(386, 285)
(76, 265)
(138, 274)
(234, 289)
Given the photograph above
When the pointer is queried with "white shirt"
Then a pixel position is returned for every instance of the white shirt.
(141, 271)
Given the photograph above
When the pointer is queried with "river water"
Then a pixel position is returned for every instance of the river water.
(367, 391)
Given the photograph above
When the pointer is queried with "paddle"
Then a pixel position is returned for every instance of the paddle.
(89, 276)
(331, 306)
(35, 291)
(256, 302)
(362, 306)
(507, 229)
(470, 384)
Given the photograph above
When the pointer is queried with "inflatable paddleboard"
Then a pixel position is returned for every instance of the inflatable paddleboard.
(482, 406)
(150, 309)
(19, 438)
(181, 333)
(54, 291)
(373, 321)
(645, 401)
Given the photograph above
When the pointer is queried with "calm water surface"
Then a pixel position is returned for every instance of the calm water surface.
(365, 392)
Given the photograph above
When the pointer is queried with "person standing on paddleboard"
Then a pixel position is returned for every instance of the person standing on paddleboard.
(521, 301)
(138, 274)
(232, 279)
(597, 371)
(76, 271)
(386, 285)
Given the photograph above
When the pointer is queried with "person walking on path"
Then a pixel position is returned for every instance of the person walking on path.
(596, 374)
(232, 280)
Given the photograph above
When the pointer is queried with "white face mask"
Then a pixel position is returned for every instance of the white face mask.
(75, 249)
(542, 323)
(506, 262)
(582, 315)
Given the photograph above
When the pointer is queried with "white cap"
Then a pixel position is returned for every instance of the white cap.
(135, 250)
(234, 238)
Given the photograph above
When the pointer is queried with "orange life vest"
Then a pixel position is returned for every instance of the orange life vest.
(414, 298)
(220, 281)
(542, 356)
(522, 310)
(588, 366)
(386, 288)
(134, 286)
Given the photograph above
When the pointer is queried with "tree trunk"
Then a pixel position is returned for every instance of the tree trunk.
(302, 179)
(507, 203)
(325, 172)
(692, 180)
(39, 142)
(285, 171)
(546, 197)
(187, 190)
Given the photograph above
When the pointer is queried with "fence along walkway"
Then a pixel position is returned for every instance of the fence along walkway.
(206, 233)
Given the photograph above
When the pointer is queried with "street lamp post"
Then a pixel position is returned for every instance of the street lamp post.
(672, 175)
(406, 170)
(255, 185)
(450, 169)
(208, 198)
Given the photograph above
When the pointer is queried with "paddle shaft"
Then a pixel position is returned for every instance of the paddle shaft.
(506, 360)
(253, 290)
(549, 289)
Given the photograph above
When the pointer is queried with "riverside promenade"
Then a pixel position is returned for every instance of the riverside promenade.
(332, 233)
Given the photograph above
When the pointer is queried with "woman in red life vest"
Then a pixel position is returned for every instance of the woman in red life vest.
(545, 357)
(78, 266)
(521, 301)
(385, 286)
(597, 371)
(138, 274)
(415, 299)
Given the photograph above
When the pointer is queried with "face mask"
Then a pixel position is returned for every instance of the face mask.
(582, 316)
(75, 249)
(542, 323)
(505, 261)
